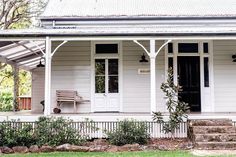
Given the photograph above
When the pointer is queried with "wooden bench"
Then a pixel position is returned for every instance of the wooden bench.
(69, 96)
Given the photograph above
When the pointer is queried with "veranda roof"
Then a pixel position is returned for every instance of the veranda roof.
(24, 54)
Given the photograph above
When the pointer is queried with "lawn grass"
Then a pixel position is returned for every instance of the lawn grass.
(123, 154)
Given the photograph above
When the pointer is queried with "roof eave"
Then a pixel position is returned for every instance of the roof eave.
(138, 17)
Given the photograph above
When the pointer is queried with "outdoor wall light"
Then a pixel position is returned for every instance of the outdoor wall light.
(40, 64)
(234, 57)
(143, 59)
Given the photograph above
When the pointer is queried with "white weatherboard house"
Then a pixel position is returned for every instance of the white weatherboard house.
(115, 53)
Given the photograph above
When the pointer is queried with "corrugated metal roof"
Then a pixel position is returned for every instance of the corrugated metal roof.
(24, 54)
(135, 8)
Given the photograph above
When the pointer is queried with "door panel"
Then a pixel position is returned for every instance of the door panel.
(107, 96)
(113, 102)
(100, 85)
(100, 102)
(189, 80)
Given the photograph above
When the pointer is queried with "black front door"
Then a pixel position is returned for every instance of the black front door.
(189, 80)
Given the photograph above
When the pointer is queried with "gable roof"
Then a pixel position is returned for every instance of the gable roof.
(139, 8)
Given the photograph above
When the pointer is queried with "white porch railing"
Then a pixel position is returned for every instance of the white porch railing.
(99, 129)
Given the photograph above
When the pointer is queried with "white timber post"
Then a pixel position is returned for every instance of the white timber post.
(152, 56)
(48, 60)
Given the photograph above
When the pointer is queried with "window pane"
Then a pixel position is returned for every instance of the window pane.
(206, 72)
(170, 62)
(170, 48)
(188, 47)
(113, 66)
(100, 84)
(113, 84)
(106, 48)
(205, 47)
(100, 66)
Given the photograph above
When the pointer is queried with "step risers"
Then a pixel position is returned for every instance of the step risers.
(214, 137)
(211, 122)
(216, 145)
(213, 134)
(213, 129)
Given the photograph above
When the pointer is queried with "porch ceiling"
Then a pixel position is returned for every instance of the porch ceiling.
(24, 54)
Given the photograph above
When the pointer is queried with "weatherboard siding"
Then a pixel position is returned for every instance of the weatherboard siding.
(71, 71)
(37, 93)
(224, 75)
(136, 87)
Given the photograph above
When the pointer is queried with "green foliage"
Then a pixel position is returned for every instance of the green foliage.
(6, 87)
(6, 81)
(177, 109)
(13, 134)
(51, 131)
(129, 132)
(56, 131)
(6, 101)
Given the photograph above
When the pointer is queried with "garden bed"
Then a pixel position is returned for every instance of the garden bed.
(102, 145)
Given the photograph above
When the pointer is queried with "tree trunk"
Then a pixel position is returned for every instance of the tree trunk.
(15, 70)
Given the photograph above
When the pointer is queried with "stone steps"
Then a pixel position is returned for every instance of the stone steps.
(211, 122)
(214, 137)
(216, 145)
(213, 134)
(213, 129)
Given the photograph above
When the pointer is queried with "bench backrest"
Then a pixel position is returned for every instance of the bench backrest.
(63, 95)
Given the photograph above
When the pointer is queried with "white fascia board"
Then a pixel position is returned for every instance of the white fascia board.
(121, 37)
(105, 38)
(176, 21)
(21, 38)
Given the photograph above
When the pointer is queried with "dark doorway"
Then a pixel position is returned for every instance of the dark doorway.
(189, 79)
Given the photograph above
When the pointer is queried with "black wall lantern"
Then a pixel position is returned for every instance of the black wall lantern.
(143, 59)
(40, 64)
(234, 58)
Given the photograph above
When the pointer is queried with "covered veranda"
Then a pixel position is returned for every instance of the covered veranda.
(25, 48)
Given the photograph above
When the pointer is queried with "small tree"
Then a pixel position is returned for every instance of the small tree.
(177, 109)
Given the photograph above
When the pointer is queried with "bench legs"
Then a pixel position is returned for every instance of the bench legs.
(59, 103)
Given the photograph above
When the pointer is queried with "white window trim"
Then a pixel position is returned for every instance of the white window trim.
(118, 56)
(201, 54)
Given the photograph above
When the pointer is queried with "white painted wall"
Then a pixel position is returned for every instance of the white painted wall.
(37, 89)
(136, 90)
(71, 70)
(224, 75)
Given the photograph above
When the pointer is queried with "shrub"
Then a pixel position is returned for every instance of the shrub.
(177, 109)
(51, 131)
(56, 131)
(6, 101)
(129, 132)
(14, 134)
